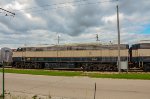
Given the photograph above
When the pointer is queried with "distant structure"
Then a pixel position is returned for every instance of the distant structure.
(97, 38)
(144, 41)
(58, 39)
(110, 42)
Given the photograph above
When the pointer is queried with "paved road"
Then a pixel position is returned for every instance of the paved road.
(77, 87)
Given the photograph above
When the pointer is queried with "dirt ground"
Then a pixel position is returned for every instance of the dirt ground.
(22, 86)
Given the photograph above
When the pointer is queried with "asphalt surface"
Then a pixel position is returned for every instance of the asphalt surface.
(76, 87)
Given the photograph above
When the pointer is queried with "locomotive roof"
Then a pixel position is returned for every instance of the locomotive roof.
(73, 44)
(87, 46)
(144, 41)
(141, 46)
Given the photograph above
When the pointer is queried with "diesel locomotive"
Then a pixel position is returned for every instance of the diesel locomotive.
(86, 56)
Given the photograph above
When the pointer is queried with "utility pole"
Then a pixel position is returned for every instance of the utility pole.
(118, 28)
(3, 77)
(58, 39)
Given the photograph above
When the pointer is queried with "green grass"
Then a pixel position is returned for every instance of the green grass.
(122, 76)
(144, 76)
(42, 72)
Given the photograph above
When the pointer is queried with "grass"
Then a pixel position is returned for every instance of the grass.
(42, 72)
(123, 76)
(143, 76)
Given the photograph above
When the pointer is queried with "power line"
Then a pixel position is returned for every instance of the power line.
(7, 12)
(55, 4)
(63, 3)
(57, 7)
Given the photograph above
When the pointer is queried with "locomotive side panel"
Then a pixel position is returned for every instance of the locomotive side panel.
(73, 53)
(90, 59)
(144, 58)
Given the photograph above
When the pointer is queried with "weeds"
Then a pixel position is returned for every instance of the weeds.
(34, 97)
(49, 96)
(1, 96)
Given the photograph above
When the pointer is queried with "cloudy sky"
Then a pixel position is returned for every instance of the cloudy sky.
(41, 21)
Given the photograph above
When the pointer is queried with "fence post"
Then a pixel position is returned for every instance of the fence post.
(95, 91)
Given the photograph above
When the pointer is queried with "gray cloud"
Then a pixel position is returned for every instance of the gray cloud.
(38, 22)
